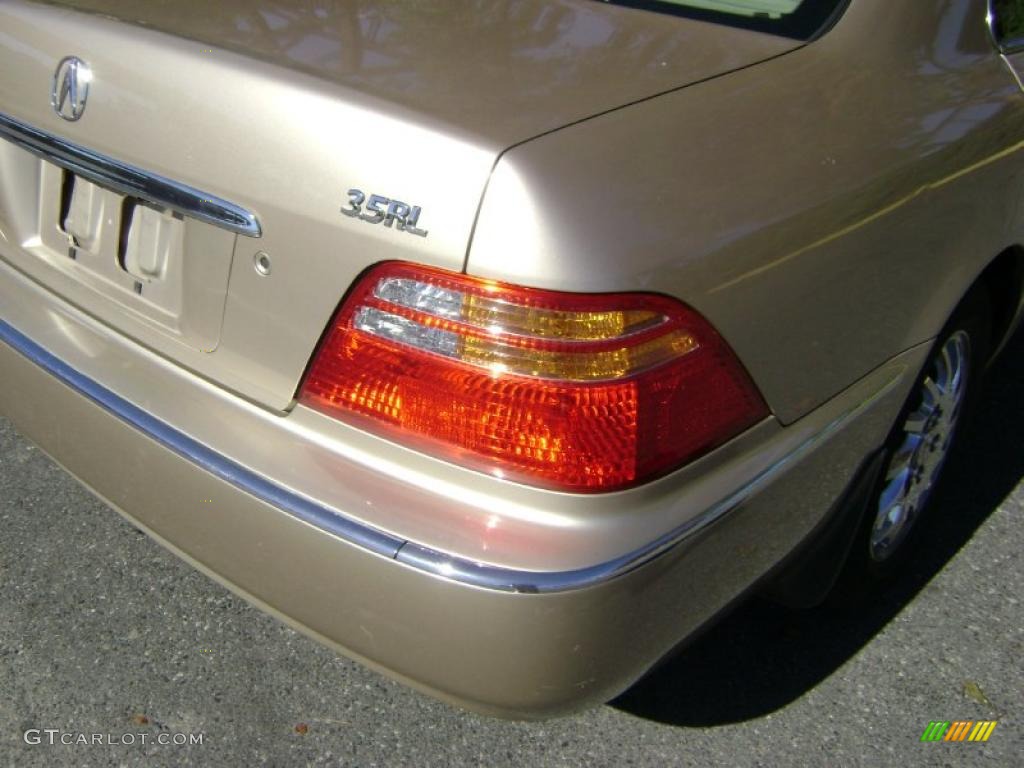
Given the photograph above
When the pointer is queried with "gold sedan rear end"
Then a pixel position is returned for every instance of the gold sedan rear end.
(499, 351)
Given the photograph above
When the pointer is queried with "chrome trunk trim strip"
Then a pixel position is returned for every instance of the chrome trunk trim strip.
(131, 181)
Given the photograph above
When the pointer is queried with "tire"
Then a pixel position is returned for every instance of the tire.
(925, 437)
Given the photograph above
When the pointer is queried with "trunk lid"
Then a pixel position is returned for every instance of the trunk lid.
(280, 108)
(501, 71)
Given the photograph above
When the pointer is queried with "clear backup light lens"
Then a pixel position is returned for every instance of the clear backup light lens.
(576, 392)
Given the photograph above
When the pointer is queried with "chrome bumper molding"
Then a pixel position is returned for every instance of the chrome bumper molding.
(538, 582)
(410, 554)
(129, 180)
(210, 460)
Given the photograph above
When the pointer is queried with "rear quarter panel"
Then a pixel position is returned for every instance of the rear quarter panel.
(826, 209)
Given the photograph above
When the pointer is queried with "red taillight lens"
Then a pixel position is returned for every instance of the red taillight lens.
(576, 392)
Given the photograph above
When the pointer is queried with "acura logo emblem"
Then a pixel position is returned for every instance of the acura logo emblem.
(71, 88)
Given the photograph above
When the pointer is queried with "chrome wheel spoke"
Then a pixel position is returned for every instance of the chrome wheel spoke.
(903, 458)
(945, 380)
(918, 422)
(933, 396)
(894, 491)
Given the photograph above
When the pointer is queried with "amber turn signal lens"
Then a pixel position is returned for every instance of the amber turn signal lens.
(574, 392)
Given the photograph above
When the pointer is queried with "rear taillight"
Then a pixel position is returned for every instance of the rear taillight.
(576, 392)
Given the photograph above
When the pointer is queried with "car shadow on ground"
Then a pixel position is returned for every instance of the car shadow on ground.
(761, 657)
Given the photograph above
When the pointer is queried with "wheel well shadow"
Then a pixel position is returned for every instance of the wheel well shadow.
(761, 657)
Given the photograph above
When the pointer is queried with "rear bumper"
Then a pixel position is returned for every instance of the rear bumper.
(494, 637)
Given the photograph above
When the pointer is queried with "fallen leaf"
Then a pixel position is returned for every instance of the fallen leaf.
(973, 691)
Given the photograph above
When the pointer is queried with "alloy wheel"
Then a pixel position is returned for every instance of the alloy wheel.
(924, 442)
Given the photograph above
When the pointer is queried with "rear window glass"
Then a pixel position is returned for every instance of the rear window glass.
(801, 19)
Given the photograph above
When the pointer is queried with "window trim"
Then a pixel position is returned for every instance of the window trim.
(806, 24)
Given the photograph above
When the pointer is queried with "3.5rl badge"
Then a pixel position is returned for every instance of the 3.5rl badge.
(377, 209)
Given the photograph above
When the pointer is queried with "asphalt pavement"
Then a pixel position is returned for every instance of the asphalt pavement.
(104, 634)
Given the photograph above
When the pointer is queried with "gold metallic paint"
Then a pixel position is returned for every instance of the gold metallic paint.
(825, 209)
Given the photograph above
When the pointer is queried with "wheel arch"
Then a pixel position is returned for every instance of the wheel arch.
(1003, 278)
